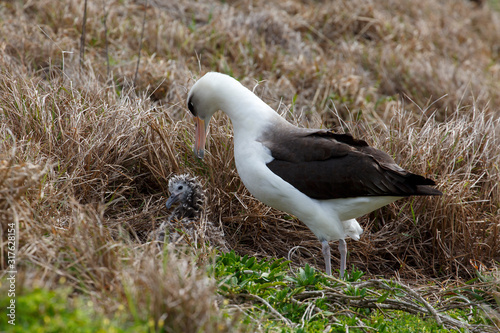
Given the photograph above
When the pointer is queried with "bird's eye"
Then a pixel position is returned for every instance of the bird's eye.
(191, 107)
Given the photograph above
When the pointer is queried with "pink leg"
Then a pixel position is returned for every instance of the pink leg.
(325, 248)
(343, 256)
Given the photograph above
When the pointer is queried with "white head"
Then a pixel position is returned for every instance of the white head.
(203, 101)
(216, 91)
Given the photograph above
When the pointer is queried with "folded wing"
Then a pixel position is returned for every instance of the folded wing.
(325, 165)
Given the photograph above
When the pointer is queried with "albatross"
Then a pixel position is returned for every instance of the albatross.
(325, 179)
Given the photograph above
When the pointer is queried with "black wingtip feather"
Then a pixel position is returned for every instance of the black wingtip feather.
(427, 190)
(423, 185)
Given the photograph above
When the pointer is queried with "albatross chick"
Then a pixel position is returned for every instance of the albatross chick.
(187, 222)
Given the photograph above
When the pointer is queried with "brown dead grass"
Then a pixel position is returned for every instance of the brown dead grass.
(86, 156)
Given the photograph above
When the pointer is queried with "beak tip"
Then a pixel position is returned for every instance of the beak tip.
(199, 153)
(171, 201)
(200, 138)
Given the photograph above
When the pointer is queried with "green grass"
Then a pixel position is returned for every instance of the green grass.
(273, 288)
(43, 311)
(495, 4)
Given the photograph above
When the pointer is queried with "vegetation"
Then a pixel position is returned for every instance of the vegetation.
(42, 310)
(297, 300)
(87, 147)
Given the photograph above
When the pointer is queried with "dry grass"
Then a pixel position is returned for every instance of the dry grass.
(85, 157)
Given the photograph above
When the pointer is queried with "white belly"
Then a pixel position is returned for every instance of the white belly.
(351, 208)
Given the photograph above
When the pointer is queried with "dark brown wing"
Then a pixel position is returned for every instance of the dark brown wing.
(325, 165)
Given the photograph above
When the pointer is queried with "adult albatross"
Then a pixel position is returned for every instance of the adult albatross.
(323, 178)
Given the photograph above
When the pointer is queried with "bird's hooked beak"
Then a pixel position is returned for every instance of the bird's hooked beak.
(173, 199)
(200, 137)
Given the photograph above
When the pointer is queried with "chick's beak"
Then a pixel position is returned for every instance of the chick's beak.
(173, 199)
(200, 138)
